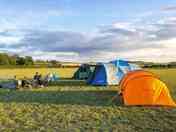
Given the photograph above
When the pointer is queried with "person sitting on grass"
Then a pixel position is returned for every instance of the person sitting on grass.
(38, 80)
(36, 76)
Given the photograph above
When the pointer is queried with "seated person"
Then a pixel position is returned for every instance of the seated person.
(36, 76)
(40, 79)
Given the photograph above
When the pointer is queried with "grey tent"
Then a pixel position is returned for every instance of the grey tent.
(83, 72)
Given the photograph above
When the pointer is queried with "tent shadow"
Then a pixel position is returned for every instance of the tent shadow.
(68, 82)
(91, 98)
(79, 83)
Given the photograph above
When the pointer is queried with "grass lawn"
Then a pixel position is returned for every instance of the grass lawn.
(74, 106)
(30, 72)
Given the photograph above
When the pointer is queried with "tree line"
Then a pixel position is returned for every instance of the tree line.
(28, 61)
(157, 65)
(6, 59)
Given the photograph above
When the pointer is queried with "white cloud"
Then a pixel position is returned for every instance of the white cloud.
(136, 40)
(52, 55)
(141, 44)
(9, 40)
(169, 8)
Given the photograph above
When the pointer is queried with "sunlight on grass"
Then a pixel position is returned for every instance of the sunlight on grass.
(79, 107)
(30, 72)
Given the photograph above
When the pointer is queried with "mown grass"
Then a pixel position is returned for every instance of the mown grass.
(74, 106)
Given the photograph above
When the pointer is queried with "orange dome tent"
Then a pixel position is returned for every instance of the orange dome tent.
(144, 88)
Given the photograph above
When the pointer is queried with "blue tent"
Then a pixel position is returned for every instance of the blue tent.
(104, 74)
(111, 73)
(120, 62)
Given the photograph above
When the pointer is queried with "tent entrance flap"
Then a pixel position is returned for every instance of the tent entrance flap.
(83, 72)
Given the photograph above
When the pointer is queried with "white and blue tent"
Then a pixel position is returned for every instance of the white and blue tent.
(104, 74)
(124, 67)
(111, 73)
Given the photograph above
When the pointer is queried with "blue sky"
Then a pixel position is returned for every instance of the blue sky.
(89, 30)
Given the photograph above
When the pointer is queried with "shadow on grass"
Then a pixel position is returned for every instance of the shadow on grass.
(72, 82)
(68, 82)
(92, 98)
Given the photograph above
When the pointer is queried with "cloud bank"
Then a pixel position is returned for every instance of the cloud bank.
(135, 40)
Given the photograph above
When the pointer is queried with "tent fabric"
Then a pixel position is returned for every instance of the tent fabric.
(83, 72)
(104, 74)
(100, 77)
(124, 67)
(144, 88)
(111, 73)
(134, 67)
(120, 62)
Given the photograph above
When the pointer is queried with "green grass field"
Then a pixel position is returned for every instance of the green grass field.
(29, 72)
(73, 106)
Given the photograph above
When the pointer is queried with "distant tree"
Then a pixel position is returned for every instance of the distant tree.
(12, 60)
(40, 61)
(172, 65)
(53, 62)
(28, 60)
(4, 59)
(20, 61)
